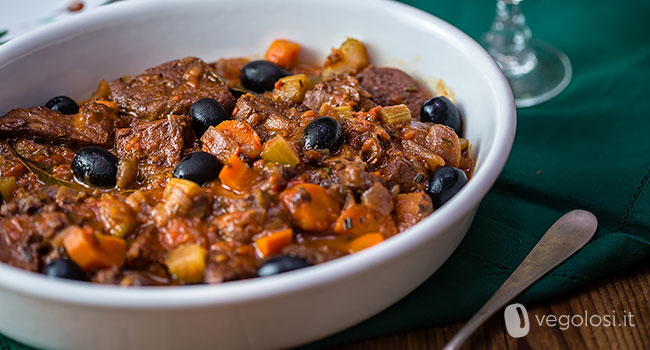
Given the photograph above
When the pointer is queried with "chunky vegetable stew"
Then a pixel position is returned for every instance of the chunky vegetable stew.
(196, 172)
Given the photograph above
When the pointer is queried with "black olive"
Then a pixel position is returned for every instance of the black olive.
(237, 93)
(63, 104)
(65, 268)
(441, 110)
(323, 133)
(95, 166)
(199, 167)
(444, 184)
(281, 263)
(205, 113)
(260, 76)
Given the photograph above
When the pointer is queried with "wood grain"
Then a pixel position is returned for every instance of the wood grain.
(627, 291)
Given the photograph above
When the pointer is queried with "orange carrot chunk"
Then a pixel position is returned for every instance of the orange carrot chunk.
(91, 251)
(273, 243)
(359, 219)
(311, 207)
(235, 175)
(365, 241)
(283, 52)
(244, 134)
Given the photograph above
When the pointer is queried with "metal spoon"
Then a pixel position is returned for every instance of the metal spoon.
(565, 237)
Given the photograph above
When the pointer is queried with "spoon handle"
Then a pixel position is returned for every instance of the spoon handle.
(565, 237)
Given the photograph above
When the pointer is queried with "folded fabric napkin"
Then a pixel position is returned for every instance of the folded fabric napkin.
(587, 148)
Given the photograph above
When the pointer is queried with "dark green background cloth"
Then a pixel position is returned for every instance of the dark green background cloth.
(587, 148)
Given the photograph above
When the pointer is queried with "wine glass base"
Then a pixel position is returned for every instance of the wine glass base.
(550, 76)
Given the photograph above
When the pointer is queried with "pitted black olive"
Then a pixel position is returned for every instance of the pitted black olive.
(260, 76)
(441, 110)
(95, 166)
(65, 268)
(444, 184)
(199, 167)
(205, 113)
(281, 263)
(63, 104)
(323, 133)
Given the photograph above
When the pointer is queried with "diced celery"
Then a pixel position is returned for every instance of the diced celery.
(127, 171)
(187, 187)
(350, 58)
(292, 88)
(344, 112)
(278, 150)
(7, 187)
(186, 263)
(341, 112)
(463, 143)
(395, 114)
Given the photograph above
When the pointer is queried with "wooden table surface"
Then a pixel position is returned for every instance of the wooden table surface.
(627, 291)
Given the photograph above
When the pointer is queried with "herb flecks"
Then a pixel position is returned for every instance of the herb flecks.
(347, 223)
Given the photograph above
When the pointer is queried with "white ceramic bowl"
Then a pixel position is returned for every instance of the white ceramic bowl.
(71, 56)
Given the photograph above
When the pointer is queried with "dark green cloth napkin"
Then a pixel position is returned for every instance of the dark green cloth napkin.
(587, 148)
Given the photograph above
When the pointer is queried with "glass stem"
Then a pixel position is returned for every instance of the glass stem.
(508, 39)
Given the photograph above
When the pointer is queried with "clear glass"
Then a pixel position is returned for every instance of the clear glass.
(536, 71)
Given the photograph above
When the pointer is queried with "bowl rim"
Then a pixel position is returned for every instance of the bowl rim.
(109, 296)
